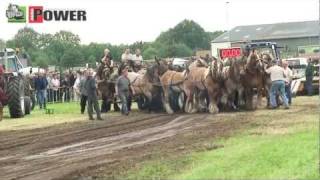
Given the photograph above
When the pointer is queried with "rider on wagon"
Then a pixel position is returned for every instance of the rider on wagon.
(127, 59)
(106, 64)
(137, 60)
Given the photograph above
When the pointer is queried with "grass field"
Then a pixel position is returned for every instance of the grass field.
(281, 145)
(63, 113)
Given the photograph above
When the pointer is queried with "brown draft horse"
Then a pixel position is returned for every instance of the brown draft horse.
(144, 82)
(232, 82)
(253, 78)
(171, 81)
(204, 79)
(106, 87)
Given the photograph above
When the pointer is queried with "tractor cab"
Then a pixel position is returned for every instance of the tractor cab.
(264, 47)
(10, 60)
(16, 86)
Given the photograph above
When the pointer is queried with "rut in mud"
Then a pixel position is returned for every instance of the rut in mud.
(64, 151)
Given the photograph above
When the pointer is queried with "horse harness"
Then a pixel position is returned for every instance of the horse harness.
(172, 84)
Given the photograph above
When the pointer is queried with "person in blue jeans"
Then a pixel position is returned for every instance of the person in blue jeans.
(41, 83)
(288, 73)
(277, 75)
(123, 88)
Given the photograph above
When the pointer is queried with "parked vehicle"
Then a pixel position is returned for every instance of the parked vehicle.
(17, 87)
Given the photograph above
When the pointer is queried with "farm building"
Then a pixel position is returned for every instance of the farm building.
(292, 36)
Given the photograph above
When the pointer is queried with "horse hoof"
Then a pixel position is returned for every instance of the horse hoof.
(170, 111)
(213, 110)
(193, 111)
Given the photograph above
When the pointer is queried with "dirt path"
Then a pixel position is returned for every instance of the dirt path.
(70, 151)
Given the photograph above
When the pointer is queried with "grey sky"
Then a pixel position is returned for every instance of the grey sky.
(127, 21)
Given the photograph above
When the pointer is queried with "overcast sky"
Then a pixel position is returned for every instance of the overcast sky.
(127, 21)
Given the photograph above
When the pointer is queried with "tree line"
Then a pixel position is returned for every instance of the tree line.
(64, 48)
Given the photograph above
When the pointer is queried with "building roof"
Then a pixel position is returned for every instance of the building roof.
(271, 31)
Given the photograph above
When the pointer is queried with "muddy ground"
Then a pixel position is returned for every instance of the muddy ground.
(96, 149)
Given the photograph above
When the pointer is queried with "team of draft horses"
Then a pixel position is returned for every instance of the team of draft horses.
(205, 85)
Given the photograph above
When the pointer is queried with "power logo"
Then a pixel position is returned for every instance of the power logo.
(38, 14)
(35, 14)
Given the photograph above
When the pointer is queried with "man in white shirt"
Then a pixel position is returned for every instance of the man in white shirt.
(137, 58)
(278, 77)
(288, 80)
(126, 56)
(76, 86)
(55, 87)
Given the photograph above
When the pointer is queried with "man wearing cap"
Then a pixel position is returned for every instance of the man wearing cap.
(278, 77)
(122, 89)
(288, 73)
(91, 89)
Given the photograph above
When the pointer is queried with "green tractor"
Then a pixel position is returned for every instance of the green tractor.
(17, 86)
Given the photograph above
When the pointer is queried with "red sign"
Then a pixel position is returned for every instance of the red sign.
(230, 53)
(35, 14)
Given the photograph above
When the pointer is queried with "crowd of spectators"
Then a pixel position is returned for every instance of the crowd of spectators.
(55, 87)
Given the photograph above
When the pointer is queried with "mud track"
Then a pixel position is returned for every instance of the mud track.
(73, 150)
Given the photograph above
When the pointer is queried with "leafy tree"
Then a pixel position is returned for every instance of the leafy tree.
(215, 34)
(150, 53)
(187, 32)
(26, 38)
(67, 37)
(64, 49)
(91, 59)
(180, 50)
(60, 43)
(2, 44)
(72, 57)
(44, 41)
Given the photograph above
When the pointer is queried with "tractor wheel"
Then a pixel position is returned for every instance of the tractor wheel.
(27, 105)
(15, 94)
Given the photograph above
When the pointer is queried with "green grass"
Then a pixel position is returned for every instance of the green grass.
(290, 156)
(63, 113)
(283, 145)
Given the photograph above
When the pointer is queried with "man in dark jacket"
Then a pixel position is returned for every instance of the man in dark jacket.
(309, 77)
(41, 84)
(122, 89)
(91, 88)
